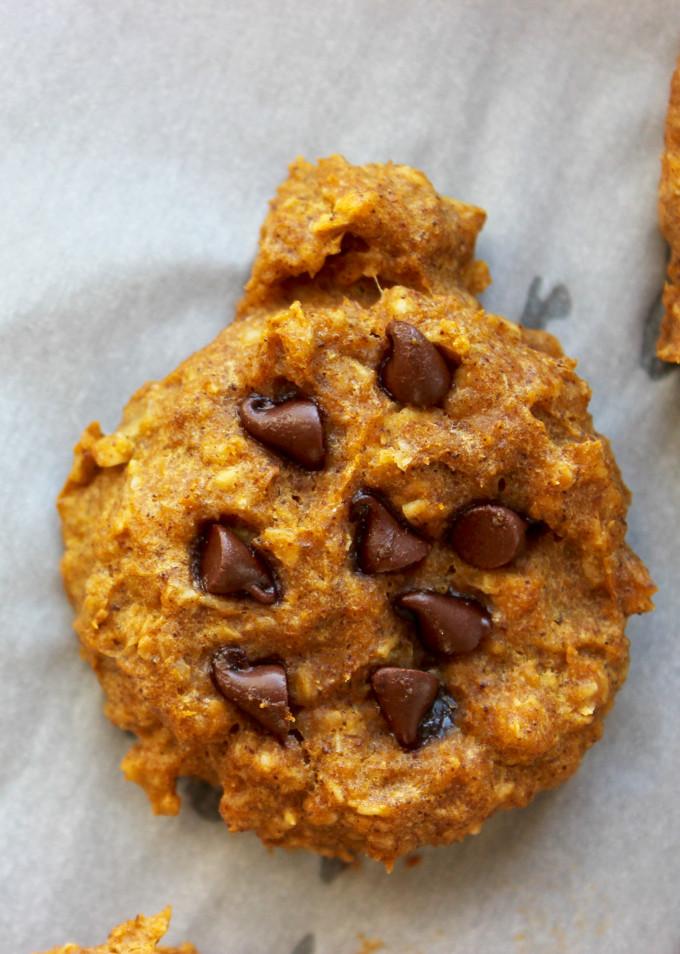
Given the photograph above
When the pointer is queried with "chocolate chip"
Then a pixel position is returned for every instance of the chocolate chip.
(488, 535)
(261, 691)
(447, 624)
(415, 371)
(439, 720)
(293, 427)
(228, 565)
(384, 544)
(404, 696)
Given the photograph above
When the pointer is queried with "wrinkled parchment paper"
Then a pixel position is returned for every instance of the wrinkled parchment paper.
(139, 143)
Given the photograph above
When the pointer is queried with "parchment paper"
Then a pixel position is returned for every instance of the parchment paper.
(139, 144)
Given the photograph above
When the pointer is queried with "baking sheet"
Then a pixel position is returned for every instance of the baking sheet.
(139, 144)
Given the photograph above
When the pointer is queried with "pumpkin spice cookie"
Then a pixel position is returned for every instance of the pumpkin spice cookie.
(140, 936)
(668, 344)
(360, 562)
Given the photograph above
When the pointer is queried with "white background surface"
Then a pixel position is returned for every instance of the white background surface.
(139, 144)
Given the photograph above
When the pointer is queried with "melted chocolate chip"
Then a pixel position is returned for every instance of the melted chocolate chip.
(260, 691)
(439, 720)
(228, 565)
(384, 544)
(331, 868)
(404, 696)
(488, 535)
(447, 624)
(293, 428)
(415, 371)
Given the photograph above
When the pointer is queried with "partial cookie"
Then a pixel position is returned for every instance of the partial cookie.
(360, 562)
(668, 344)
(140, 936)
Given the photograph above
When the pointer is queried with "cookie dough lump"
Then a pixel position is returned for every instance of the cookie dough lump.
(139, 936)
(362, 564)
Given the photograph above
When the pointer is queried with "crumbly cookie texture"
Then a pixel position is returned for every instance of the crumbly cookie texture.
(360, 562)
(668, 344)
(140, 936)
(336, 230)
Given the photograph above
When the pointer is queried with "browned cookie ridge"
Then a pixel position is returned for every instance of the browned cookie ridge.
(360, 562)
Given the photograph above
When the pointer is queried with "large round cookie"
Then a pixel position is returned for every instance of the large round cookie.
(360, 562)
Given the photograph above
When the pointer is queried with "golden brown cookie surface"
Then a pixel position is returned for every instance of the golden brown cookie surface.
(337, 230)
(139, 936)
(668, 344)
(360, 562)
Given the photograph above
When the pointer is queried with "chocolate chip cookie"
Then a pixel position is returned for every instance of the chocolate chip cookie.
(668, 344)
(359, 563)
(140, 936)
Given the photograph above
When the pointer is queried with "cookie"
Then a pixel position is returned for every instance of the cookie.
(668, 343)
(360, 562)
(140, 936)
